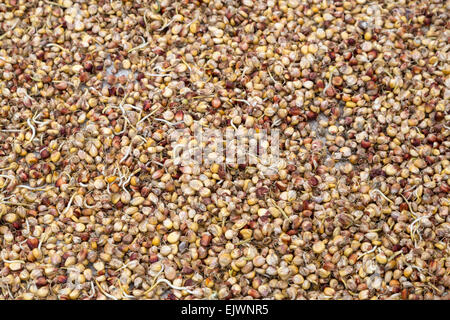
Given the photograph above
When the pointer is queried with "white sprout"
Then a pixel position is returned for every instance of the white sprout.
(157, 75)
(98, 92)
(105, 293)
(232, 124)
(9, 291)
(124, 127)
(416, 267)
(279, 208)
(416, 230)
(159, 68)
(123, 185)
(150, 114)
(185, 63)
(62, 145)
(276, 123)
(271, 77)
(193, 20)
(92, 291)
(143, 119)
(159, 163)
(128, 180)
(142, 45)
(41, 241)
(121, 176)
(28, 226)
(409, 206)
(7, 198)
(21, 244)
(11, 261)
(33, 129)
(11, 130)
(15, 203)
(371, 193)
(159, 272)
(166, 282)
(28, 96)
(243, 72)
(124, 113)
(173, 286)
(368, 252)
(167, 24)
(69, 204)
(410, 189)
(127, 295)
(143, 140)
(88, 206)
(132, 107)
(33, 188)
(37, 116)
(56, 45)
(329, 80)
(124, 294)
(125, 265)
(242, 100)
(127, 153)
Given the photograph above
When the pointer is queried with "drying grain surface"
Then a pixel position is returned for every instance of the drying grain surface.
(93, 205)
